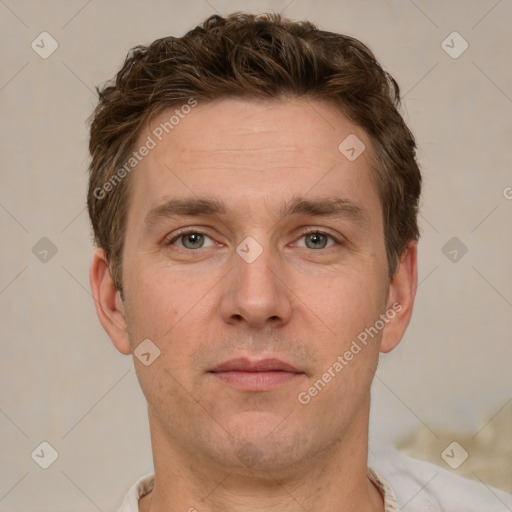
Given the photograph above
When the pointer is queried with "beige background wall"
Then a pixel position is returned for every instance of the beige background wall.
(62, 381)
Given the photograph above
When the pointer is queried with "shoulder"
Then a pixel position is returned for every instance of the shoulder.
(421, 486)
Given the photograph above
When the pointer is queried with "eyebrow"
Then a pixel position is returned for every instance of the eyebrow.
(197, 206)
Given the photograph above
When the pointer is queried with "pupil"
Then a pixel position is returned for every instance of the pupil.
(316, 238)
(195, 239)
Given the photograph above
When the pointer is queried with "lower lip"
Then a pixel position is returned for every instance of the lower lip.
(256, 381)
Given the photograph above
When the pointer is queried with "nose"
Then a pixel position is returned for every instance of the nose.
(256, 293)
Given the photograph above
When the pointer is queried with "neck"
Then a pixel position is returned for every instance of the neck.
(333, 479)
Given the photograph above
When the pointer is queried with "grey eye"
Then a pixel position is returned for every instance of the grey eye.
(316, 240)
(192, 240)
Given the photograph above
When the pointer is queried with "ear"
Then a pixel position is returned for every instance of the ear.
(402, 291)
(107, 299)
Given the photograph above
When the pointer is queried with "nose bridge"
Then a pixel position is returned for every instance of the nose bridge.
(255, 291)
(255, 262)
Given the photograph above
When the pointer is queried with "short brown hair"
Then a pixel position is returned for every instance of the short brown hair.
(252, 56)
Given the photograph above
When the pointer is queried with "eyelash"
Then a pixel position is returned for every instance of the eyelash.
(304, 233)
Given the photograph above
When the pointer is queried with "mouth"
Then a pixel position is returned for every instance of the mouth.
(252, 375)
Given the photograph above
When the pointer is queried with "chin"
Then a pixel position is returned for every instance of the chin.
(263, 443)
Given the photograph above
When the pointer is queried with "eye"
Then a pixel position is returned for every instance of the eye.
(194, 239)
(190, 240)
(317, 239)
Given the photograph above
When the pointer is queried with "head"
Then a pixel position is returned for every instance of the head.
(280, 150)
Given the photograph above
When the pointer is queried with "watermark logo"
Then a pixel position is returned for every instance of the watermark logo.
(44, 455)
(454, 45)
(249, 455)
(454, 455)
(157, 135)
(249, 249)
(351, 147)
(454, 249)
(44, 45)
(146, 352)
(304, 397)
(44, 250)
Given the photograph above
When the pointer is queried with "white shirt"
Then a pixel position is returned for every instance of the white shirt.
(409, 485)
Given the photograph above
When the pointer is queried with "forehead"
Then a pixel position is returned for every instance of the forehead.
(253, 149)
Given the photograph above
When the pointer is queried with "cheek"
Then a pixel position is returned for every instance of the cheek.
(160, 307)
(348, 355)
(174, 311)
(157, 300)
(345, 301)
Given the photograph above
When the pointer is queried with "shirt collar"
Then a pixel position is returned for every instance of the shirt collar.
(145, 485)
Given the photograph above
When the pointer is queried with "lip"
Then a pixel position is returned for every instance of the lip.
(252, 375)
(242, 364)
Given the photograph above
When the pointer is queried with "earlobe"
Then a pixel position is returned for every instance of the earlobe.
(402, 291)
(108, 303)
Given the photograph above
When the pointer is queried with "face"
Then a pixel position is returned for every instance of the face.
(254, 259)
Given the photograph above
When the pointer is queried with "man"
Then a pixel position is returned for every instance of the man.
(254, 193)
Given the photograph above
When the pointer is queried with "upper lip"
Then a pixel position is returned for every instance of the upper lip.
(243, 364)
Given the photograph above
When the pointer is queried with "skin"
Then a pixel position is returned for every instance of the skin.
(299, 301)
